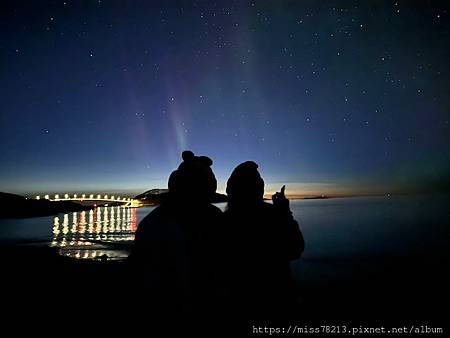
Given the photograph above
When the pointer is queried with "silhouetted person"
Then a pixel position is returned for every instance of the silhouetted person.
(174, 245)
(262, 239)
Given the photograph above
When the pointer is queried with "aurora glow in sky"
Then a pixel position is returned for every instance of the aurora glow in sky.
(326, 96)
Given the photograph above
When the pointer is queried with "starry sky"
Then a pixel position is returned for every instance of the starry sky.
(333, 97)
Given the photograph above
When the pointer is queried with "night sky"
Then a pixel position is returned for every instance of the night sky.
(329, 97)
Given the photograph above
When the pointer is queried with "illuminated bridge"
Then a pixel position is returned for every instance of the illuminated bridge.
(92, 198)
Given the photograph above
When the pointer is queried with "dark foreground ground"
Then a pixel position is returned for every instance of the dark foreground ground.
(41, 290)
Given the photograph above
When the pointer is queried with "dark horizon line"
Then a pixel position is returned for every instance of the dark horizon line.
(292, 196)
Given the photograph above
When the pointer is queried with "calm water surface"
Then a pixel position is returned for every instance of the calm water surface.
(333, 228)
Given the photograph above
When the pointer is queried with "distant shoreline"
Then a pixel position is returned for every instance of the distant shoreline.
(16, 206)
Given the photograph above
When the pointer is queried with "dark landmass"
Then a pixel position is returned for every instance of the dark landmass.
(153, 196)
(300, 197)
(16, 206)
(321, 197)
(156, 196)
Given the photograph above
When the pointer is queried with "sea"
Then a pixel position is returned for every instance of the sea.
(336, 230)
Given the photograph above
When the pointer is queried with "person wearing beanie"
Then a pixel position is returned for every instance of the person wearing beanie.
(265, 238)
(194, 179)
(174, 248)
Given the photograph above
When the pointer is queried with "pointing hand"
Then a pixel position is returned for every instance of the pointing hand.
(279, 199)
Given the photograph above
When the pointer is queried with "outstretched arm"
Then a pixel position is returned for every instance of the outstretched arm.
(291, 235)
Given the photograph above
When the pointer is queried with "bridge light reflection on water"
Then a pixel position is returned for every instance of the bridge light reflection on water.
(94, 233)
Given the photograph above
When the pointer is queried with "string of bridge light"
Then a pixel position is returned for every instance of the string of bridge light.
(84, 197)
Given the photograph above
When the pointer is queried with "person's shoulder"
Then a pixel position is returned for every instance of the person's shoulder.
(153, 215)
(156, 211)
(268, 207)
(154, 223)
(269, 211)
